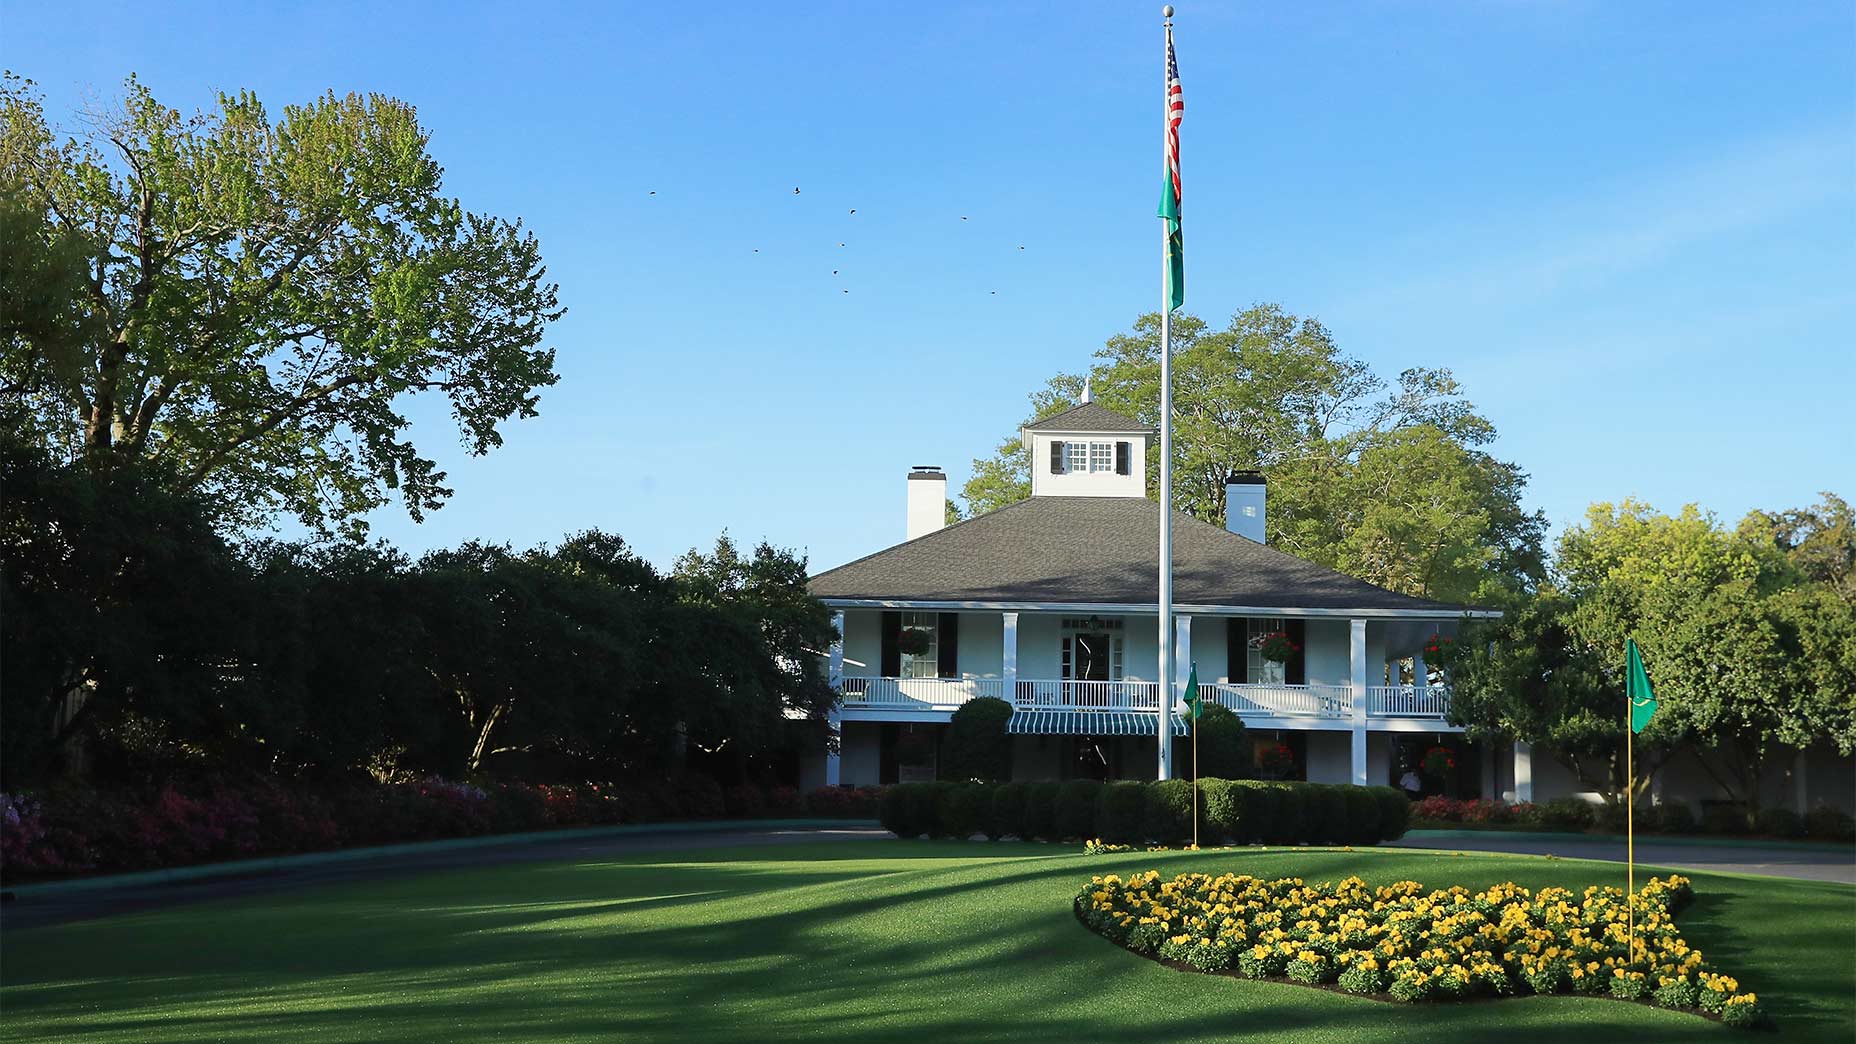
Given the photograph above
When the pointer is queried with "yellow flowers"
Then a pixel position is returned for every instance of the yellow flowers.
(1416, 944)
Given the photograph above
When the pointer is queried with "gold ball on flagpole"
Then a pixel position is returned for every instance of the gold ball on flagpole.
(1167, 11)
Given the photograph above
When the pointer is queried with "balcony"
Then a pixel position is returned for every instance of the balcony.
(1322, 702)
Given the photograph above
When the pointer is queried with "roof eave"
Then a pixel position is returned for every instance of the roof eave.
(996, 605)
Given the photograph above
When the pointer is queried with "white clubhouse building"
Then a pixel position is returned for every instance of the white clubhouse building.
(1051, 605)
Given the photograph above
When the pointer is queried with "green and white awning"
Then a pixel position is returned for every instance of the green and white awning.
(1087, 723)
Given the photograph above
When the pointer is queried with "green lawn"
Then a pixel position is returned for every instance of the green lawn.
(857, 941)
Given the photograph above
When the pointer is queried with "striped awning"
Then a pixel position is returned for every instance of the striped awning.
(1087, 723)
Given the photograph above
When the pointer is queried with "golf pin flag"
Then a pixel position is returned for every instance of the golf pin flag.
(1169, 193)
(1192, 694)
(1637, 688)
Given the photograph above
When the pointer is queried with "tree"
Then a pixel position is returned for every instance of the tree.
(1819, 540)
(977, 746)
(1224, 744)
(247, 304)
(1390, 484)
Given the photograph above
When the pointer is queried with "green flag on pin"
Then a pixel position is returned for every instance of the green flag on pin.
(1637, 688)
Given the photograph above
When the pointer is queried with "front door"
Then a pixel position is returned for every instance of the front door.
(1090, 658)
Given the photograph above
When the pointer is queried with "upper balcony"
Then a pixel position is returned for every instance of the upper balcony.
(1314, 703)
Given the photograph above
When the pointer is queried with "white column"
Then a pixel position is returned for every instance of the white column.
(1357, 646)
(1523, 771)
(1419, 680)
(1008, 663)
(834, 717)
(1182, 669)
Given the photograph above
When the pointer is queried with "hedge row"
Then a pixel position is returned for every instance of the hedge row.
(1231, 811)
(1575, 814)
(78, 830)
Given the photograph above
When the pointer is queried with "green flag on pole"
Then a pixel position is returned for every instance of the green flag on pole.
(1169, 194)
(1192, 694)
(1637, 688)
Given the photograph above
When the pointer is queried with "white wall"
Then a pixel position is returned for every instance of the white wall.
(1330, 757)
(1327, 652)
(982, 644)
(1093, 483)
(863, 643)
(861, 752)
(1379, 747)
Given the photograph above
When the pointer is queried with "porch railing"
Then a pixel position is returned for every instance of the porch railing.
(1407, 701)
(922, 693)
(1088, 695)
(1282, 701)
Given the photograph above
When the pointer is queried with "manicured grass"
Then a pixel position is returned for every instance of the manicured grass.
(850, 941)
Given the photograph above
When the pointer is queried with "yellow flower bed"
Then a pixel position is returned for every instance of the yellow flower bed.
(1416, 945)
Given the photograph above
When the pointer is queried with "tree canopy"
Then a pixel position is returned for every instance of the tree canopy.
(248, 303)
(1390, 482)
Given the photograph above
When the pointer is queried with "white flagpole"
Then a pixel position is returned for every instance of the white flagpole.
(1166, 685)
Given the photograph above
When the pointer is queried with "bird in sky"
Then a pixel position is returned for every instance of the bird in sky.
(795, 190)
(840, 244)
(834, 271)
(653, 192)
(757, 250)
(963, 217)
(853, 210)
(847, 290)
(1021, 248)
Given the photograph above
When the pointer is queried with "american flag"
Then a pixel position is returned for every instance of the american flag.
(1175, 109)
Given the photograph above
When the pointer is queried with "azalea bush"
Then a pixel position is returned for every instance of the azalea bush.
(1412, 945)
(78, 831)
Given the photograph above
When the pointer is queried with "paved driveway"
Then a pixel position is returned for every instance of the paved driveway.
(1810, 863)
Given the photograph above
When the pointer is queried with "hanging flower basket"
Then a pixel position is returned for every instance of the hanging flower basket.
(1276, 761)
(1439, 762)
(914, 641)
(1277, 646)
(1438, 647)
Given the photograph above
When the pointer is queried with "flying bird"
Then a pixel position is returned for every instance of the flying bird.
(834, 271)
(1021, 248)
(847, 290)
(653, 192)
(853, 210)
(963, 217)
(840, 244)
(795, 190)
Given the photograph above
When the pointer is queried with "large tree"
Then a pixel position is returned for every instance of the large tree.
(248, 303)
(1389, 482)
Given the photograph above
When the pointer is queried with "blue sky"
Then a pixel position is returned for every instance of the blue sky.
(1629, 228)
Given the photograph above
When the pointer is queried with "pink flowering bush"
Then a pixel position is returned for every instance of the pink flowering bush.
(75, 830)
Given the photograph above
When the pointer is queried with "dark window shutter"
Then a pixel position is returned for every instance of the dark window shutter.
(947, 648)
(1236, 665)
(892, 644)
(1124, 458)
(1295, 672)
(1056, 458)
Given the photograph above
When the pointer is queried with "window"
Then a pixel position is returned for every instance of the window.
(1085, 457)
(1092, 657)
(1258, 670)
(925, 664)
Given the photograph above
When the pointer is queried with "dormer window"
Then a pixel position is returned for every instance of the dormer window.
(1081, 458)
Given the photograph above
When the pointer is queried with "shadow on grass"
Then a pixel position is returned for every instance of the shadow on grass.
(874, 942)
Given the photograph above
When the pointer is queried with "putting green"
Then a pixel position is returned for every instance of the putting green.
(850, 941)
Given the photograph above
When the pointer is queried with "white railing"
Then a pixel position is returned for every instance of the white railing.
(1282, 701)
(1088, 695)
(920, 693)
(1406, 701)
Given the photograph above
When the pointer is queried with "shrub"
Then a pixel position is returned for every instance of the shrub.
(1074, 812)
(1008, 810)
(1394, 812)
(1167, 813)
(964, 809)
(897, 810)
(1829, 824)
(977, 746)
(1780, 822)
(847, 802)
(1724, 817)
(925, 808)
(1221, 811)
(1293, 814)
(1040, 821)
(744, 801)
(1121, 810)
(1224, 744)
(1259, 810)
(1675, 818)
(1327, 812)
(1567, 813)
(1362, 816)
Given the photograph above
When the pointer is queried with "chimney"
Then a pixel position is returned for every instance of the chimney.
(927, 500)
(1245, 496)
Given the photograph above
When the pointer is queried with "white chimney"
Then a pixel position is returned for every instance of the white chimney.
(927, 500)
(1246, 494)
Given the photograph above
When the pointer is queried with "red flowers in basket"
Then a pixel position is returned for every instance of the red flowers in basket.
(1439, 761)
(1277, 646)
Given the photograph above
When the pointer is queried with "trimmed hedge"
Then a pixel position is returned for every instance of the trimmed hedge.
(976, 746)
(1240, 811)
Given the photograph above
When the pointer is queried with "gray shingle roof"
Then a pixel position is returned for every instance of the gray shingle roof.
(1088, 417)
(1090, 550)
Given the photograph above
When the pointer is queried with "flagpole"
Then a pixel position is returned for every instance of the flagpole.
(1166, 683)
(1195, 772)
(1630, 829)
